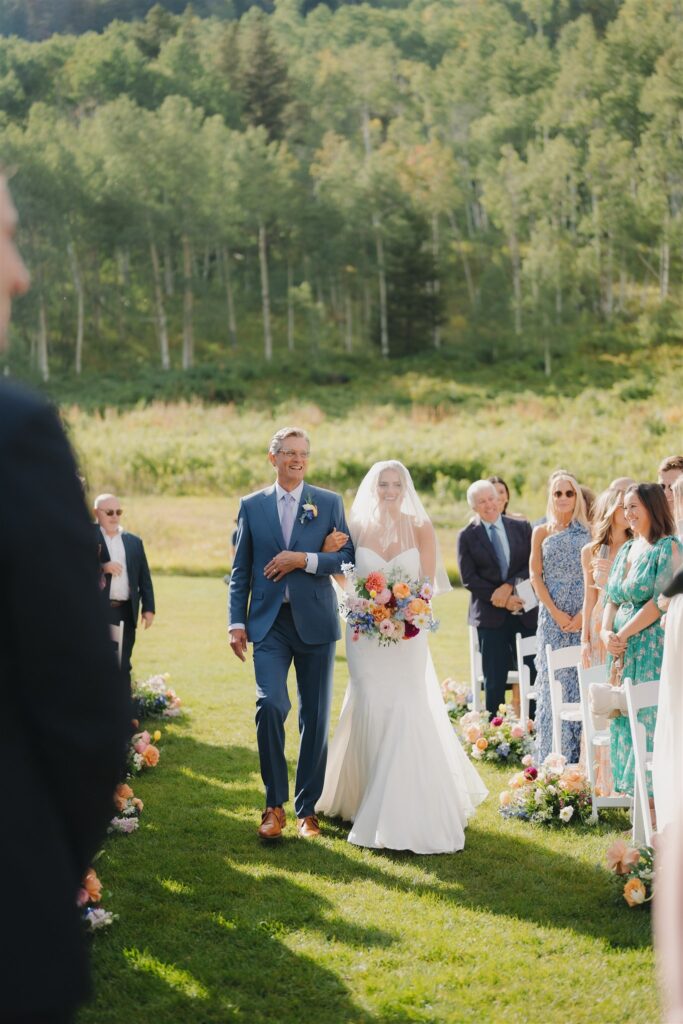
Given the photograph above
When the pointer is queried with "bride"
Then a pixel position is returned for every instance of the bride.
(395, 767)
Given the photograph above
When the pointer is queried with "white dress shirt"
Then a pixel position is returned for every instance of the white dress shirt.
(119, 589)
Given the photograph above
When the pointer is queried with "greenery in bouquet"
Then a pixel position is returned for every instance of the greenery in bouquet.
(501, 739)
(88, 898)
(154, 698)
(634, 870)
(128, 810)
(387, 607)
(555, 792)
(458, 698)
(142, 752)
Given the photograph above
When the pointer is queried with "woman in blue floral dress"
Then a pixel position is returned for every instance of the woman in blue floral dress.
(557, 578)
(631, 626)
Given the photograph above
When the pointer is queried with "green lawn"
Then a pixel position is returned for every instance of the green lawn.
(215, 927)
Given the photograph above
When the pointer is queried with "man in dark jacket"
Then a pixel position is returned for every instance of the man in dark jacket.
(493, 554)
(65, 714)
(128, 582)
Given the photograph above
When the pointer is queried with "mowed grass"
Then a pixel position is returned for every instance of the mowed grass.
(214, 927)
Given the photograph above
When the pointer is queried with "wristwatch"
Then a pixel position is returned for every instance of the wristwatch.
(306, 561)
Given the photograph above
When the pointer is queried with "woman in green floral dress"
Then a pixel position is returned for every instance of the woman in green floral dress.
(631, 629)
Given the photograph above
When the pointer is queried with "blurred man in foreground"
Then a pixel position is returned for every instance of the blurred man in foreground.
(64, 709)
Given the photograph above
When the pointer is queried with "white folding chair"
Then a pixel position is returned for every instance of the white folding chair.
(117, 637)
(596, 739)
(639, 696)
(525, 646)
(562, 710)
(477, 672)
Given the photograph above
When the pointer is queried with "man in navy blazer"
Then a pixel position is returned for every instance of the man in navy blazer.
(128, 581)
(493, 552)
(282, 600)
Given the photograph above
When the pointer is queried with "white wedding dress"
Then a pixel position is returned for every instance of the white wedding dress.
(395, 767)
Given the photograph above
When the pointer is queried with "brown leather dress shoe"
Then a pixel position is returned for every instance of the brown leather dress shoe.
(272, 823)
(308, 828)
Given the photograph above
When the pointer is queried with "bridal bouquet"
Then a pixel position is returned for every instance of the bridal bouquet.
(555, 792)
(154, 698)
(635, 868)
(501, 739)
(387, 606)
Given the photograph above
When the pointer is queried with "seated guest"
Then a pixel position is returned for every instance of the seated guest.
(493, 553)
(631, 627)
(557, 578)
(503, 492)
(670, 469)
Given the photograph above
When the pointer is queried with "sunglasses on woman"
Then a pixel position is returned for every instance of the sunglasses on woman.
(566, 494)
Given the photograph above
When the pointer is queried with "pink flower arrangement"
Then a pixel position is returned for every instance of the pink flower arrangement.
(635, 870)
(553, 793)
(505, 739)
(142, 752)
(387, 607)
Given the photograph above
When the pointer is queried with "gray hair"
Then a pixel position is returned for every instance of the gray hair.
(477, 488)
(280, 435)
(102, 497)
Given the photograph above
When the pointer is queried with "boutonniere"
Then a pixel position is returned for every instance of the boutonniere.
(309, 510)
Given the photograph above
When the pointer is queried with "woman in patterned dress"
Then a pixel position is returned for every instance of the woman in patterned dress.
(558, 581)
(631, 627)
(609, 530)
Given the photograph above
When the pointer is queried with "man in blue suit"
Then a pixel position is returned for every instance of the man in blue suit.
(281, 599)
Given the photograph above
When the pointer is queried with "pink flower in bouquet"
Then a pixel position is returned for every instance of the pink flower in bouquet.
(138, 804)
(383, 597)
(472, 733)
(530, 773)
(530, 725)
(505, 798)
(497, 721)
(517, 731)
(399, 629)
(386, 627)
(621, 857)
(401, 590)
(527, 759)
(141, 742)
(427, 591)
(573, 780)
(375, 581)
(355, 636)
(517, 780)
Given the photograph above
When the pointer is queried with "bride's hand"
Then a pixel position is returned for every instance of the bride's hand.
(335, 541)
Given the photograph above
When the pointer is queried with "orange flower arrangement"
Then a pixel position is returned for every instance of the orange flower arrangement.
(92, 886)
(122, 794)
(635, 892)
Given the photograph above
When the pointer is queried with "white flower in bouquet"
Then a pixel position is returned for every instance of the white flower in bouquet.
(566, 813)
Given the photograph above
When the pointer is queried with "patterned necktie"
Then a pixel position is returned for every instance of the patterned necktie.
(287, 521)
(497, 543)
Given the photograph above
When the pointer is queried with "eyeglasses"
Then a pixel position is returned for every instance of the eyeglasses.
(112, 511)
(564, 494)
(665, 487)
(289, 453)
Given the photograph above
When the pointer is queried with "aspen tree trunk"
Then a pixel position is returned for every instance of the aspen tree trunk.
(80, 305)
(290, 306)
(43, 366)
(348, 306)
(436, 283)
(169, 284)
(188, 302)
(516, 281)
(379, 249)
(159, 309)
(467, 270)
(265, 292)
(230, 298)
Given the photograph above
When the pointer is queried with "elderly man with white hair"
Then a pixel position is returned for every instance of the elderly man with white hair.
(128, 581)
(493, 555)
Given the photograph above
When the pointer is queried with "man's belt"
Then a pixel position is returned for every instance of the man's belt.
(118, 604)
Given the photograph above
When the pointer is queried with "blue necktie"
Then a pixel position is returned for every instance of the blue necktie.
(498, 548)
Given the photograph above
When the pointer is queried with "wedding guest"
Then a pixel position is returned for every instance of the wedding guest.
(670, 469)
(493, 553)
(589, 500)
(677, 493)
(503, 492)
(609, 532)
(631, 627)
(65, 713)
(558, 581)
(667, 782)
(621, 483)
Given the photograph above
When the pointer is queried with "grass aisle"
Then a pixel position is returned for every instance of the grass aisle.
(214, 927)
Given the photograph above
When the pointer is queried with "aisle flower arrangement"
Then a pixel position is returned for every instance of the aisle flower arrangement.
(634, 869)
(387, 607)
(128, 809)
(87, 900)
(154, 698)
(142, 752)
(458, 698)
(554, 793)
(501, 739)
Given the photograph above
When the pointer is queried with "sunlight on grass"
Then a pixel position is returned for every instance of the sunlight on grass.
(173, 976)
(172, 885)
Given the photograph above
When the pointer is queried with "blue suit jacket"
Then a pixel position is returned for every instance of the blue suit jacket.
(255, 600)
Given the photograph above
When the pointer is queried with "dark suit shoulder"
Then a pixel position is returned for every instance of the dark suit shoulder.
(17, 406)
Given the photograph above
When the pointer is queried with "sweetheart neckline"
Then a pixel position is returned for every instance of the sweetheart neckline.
(387, 561)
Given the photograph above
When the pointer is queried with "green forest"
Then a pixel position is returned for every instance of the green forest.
(494, 178)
